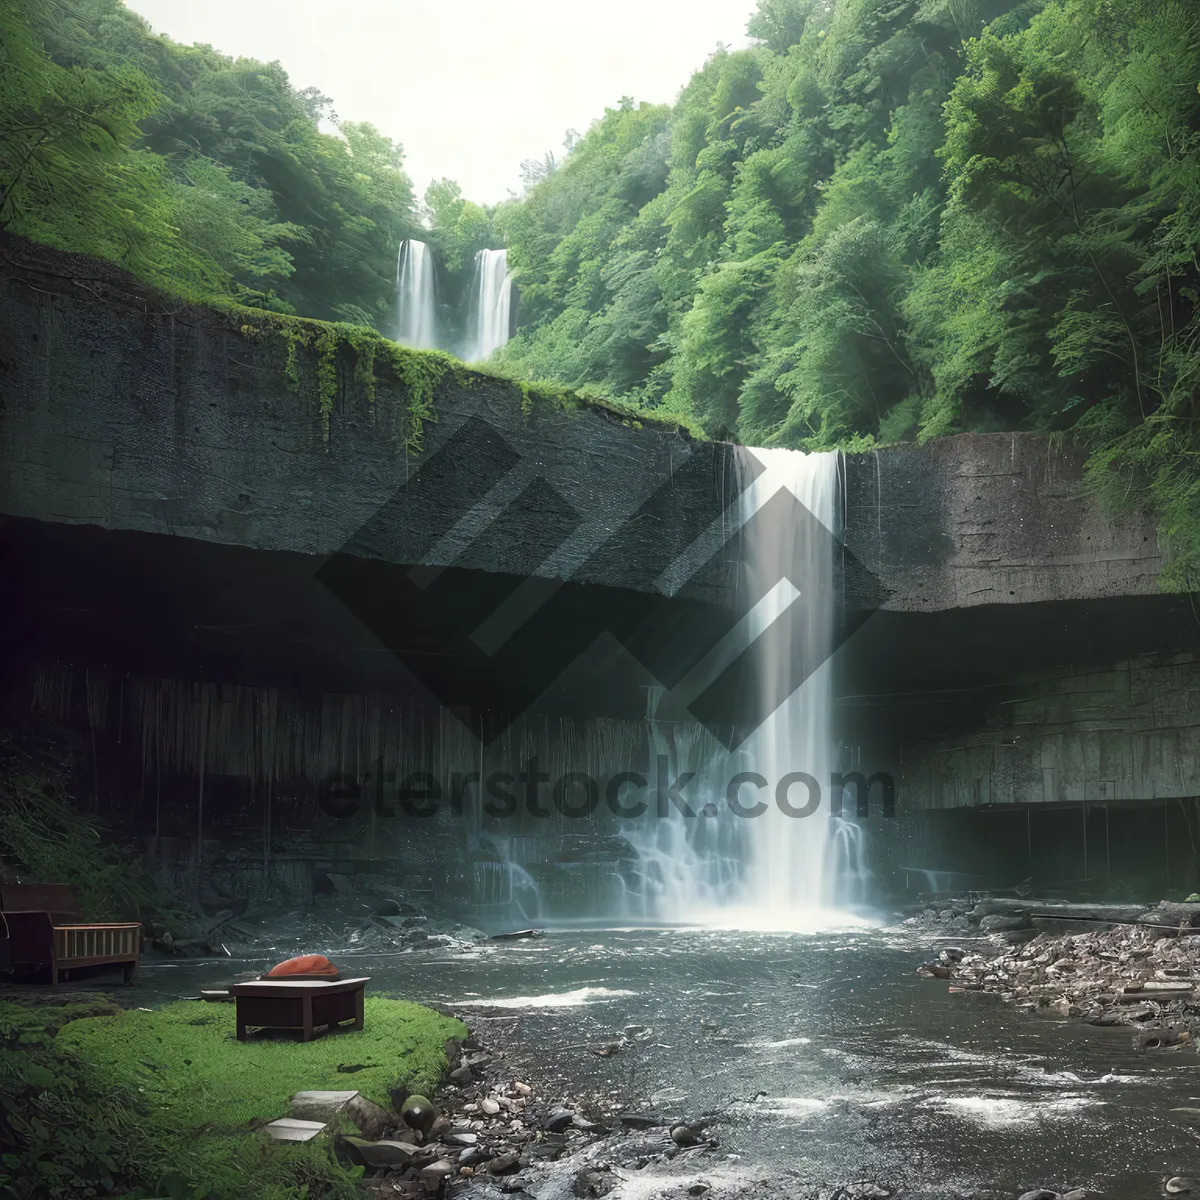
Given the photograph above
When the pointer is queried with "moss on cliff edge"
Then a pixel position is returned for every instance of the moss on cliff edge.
(419, 372)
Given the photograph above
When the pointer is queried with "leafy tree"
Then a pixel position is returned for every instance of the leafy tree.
(198, 172)
(884, 219)
(899, 219)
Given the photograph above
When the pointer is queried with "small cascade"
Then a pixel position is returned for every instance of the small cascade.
(684, 868)
(846, 866)
(492, 305)
(414, 296)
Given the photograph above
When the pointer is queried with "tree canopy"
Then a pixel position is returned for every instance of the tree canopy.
(883, 220)
(896, 219)
(201, 173)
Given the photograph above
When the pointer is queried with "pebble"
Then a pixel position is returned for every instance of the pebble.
(1178, 1184)
(639, 1120)
(419, 1113)
(1119, 976)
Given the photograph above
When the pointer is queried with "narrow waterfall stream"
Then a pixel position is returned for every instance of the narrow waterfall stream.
(415, 296)
(492, 305)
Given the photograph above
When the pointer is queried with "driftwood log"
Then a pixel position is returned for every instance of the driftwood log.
(1168, 916)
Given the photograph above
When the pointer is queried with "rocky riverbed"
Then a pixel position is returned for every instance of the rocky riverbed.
(490, 1134)
(370, 917)
(1144, 974)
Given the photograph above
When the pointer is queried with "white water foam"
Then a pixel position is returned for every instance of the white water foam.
(573, 999)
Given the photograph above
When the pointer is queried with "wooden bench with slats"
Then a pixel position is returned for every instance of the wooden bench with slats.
(46, 930)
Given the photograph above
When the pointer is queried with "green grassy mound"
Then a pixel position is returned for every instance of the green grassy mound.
(165, 1104)
(186, 1059)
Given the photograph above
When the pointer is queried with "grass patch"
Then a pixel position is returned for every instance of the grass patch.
(95, 1101)
(186, 1059)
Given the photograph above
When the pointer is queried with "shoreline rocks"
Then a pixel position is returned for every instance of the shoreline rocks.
(1130, 975)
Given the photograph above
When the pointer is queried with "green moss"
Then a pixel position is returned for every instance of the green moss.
(18, 1020)
(167, 1103)
(419, 372)
(187, 1061)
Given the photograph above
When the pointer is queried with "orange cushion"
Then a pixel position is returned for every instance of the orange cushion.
(307, 964)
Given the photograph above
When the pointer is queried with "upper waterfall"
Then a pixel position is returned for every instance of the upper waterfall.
(492, 305)
(414, 296)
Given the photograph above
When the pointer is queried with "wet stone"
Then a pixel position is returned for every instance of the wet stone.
(558, 1119)
(640, 1120)
(593, 1182)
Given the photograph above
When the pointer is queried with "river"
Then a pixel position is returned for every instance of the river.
(828, 1058)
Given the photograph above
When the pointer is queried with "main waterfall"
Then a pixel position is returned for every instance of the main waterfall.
(414, 296)
(781, 867)
(491, 305)
(789, 564)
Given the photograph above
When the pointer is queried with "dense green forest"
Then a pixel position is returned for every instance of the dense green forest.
(885, 220)
(898, 219)
(200, 173)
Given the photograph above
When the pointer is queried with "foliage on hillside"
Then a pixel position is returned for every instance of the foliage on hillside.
(898, 219)
(46, 838)
(204, 175)
(886, 220)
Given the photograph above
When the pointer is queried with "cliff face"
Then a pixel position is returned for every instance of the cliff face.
(124, 413)
(127, 414)
(983, 519)
(175, 483)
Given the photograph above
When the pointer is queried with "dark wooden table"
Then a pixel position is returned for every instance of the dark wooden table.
(305, 1004)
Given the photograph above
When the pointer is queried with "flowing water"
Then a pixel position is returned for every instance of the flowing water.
(491, 305)
(828, 1060)
(789, 568)
(791, 865)
(415, 296)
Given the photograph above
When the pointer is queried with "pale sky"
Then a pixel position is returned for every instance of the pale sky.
(468, 87)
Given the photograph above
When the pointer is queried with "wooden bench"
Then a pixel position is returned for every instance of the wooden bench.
(303, 1004)
(46, 930)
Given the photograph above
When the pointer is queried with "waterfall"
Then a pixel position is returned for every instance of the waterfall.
(789, 568)
(414, 296)
(685, 869)
(773, 870)
(492, 308)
